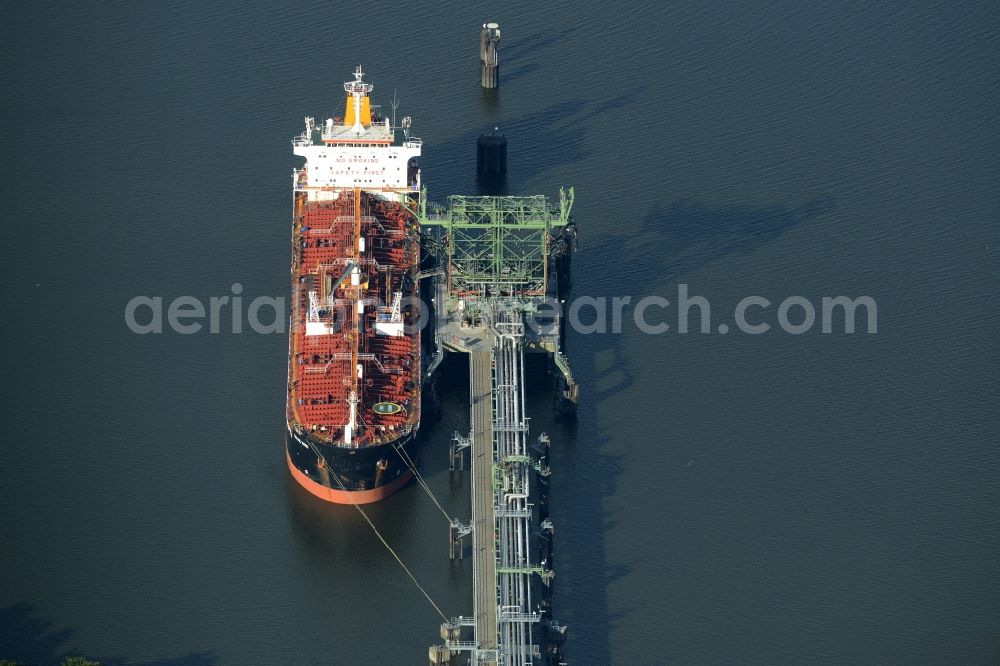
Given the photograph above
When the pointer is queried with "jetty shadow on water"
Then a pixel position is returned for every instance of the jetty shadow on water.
(671, 240)
(557, 125)
(538, 142)
(28, 638)
(515, 73)
(585, 474)
(686, 235)
(522, 47)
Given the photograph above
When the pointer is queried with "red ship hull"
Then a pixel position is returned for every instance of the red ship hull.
(354, 350)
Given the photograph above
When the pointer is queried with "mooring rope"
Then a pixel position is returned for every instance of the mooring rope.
(420, 480)
(378, 534)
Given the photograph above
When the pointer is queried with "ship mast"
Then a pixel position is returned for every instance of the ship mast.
(356, 290)
(358, 89)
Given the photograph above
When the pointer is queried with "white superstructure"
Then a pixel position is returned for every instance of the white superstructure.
(358, 150)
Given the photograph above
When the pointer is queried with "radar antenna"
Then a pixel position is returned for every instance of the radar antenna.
(358, 89)
(394, 103)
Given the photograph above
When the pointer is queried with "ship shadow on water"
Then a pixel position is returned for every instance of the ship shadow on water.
(26, 637)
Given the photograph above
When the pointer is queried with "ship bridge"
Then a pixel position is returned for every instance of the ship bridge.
(357, 149)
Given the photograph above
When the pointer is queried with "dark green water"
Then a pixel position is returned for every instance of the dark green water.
(730, 498)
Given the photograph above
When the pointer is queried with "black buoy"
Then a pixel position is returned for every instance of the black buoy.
(491, 153)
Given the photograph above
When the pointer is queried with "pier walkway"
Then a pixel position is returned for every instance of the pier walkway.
(483, 535)
(504, 614)
(498, 261)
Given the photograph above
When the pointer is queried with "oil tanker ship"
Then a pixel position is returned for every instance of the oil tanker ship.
(354, 359)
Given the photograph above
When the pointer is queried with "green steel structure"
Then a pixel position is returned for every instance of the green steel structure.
(498, 260)
(497, 245)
